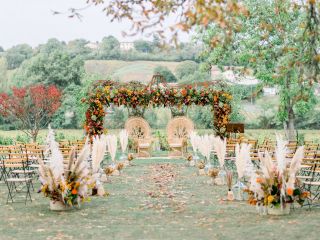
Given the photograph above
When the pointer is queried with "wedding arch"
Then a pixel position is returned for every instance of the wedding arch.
(136, 95)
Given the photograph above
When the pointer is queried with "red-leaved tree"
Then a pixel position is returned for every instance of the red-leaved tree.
(31, 107)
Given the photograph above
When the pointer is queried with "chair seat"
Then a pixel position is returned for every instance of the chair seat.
(144, 145)
(174, 145)
(305, 166)
(304, 177)
(35, 165)
(22, 171)
(19, 179)
(311, 183)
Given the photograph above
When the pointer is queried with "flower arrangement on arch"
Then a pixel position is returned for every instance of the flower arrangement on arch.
(110, 93)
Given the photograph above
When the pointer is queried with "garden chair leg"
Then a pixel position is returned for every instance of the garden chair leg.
(28, 193)
(10, 193)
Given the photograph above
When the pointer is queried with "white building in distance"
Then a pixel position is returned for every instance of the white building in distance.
(126, 46)
(92, 45)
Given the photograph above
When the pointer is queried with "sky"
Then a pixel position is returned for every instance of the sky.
(32, 22)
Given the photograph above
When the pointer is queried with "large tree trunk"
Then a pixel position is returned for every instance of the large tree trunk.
(289, 125)
(34, 135)
(291, 128)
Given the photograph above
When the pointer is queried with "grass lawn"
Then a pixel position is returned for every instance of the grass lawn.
(152, 201)
(74, 134)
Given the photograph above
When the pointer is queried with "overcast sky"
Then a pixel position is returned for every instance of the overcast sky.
(32, 22)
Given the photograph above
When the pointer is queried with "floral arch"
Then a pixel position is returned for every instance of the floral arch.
(136, 95)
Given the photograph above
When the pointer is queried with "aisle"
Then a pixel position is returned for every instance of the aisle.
(154, 199)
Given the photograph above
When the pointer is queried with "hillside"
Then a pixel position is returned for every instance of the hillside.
(126, 71)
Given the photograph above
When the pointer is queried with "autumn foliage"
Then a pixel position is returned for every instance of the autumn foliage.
(31, 107)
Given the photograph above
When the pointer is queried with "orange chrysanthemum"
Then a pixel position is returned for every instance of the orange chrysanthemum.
(290, 191)
(74, 191)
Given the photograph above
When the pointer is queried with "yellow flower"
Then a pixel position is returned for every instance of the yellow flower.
(44, 188)
(106, 88)
(77, 184)
(270, 199)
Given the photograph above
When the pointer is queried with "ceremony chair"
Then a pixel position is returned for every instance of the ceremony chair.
(17, 176)
(178, 131)
(140, 132)
(311, 183)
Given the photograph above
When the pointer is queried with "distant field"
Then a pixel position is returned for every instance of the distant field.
(126, 71)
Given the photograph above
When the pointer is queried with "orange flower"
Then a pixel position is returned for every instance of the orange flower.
(290, 191)
(259, 180)
(305, 194)
(74, 191)
(183, 92)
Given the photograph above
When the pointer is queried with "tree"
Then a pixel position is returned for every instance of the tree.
(57, 67)
(51, 46)
(1, 49)
(32, 107)
(166, 73)
(109, 48)
(186, 68)
(77, 48)
(156, 41)
(280, 41)
(67, 116)
(151, 16)
(3, 74)
(17, 54)
(143, 46)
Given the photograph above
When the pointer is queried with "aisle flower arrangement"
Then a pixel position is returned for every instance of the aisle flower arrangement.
(65, 187)
(275, 186)
(98, 152)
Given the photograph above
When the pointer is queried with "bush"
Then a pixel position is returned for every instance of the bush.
(163, 141)
(23, 138)
(6, 140)
(186, 68)
(166, 73)
(197, 76)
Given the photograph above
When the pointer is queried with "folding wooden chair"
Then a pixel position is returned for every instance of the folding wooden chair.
(17, 176)
(34, 154)
(311, 183)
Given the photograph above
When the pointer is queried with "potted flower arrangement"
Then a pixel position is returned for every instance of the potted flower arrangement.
(213, 173)
(272, 198)
(66, 187)
(273, 188)
(190, 161)
(201, 166)
(97, 155)
(119, 167)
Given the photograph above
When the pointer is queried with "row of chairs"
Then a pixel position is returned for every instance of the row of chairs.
(19, 166)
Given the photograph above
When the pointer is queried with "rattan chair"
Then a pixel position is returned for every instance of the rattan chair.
(140, 133)
(178, 131)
